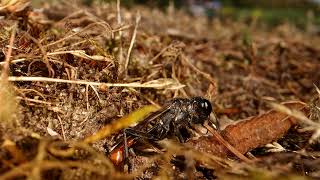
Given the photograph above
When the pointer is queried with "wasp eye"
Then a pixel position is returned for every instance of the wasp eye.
(204, 105)
(202, 108)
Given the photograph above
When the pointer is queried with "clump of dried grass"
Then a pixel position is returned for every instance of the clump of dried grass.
(9, 104)
(58, 55)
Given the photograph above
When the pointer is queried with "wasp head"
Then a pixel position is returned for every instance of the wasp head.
(200, 110)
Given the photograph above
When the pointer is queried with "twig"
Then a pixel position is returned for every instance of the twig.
(82, 54)
(13, 61)
(87, 96)
(85, 119)
(121, 28)
(97, 19)
(36, 169)
(54, 61)
(138, 18)
(62, 129)
(78, 32)
(22, 91)
(43, 52)
(206, 75)
(34, 100)
(160, 53)
(96, 92)
(23, 169)
(5, 70)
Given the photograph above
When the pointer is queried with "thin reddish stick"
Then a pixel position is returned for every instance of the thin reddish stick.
(227, 145)
(5, 71)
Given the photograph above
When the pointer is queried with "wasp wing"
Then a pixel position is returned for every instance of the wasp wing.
(153, 116)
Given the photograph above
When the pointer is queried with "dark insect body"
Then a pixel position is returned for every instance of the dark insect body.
(174, 119)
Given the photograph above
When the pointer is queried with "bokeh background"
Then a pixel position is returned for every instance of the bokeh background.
(273, 12)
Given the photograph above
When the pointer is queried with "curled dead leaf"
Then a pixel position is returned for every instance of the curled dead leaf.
(250, 133)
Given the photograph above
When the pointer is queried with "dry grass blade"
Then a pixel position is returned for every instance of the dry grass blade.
(318, 90)
(167, 83)
(14, 61)
(45, 165)
(81, 54)
(78, 32)
(294, 113)
(212, 160)
(205, 75)
(34, 168)
(310, 125)
(156, 84)
(55, 149)
(44, 54)
(36, 171)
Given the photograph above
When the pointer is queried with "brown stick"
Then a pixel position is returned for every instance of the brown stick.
(5, 70)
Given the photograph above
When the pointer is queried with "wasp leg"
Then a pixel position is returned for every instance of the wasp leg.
(135, 133)
(177, 132)
(126, 153)
(141, 134)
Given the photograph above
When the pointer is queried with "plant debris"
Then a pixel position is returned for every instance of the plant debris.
(71, 75)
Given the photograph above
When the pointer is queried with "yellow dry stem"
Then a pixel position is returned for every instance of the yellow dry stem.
(123, 122)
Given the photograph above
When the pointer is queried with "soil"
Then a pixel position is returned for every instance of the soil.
(237, 65)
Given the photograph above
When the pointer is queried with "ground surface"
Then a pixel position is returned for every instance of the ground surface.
(236, 65)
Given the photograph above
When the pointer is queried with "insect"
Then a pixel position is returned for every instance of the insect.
(174, 119)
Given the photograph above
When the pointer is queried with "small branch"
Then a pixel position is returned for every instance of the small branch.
(13, 61)
(204, 74)
(43, 52)
(62, 129)
(138, 18)
(5, 70)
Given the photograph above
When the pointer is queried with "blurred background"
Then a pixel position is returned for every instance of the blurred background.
(273, 12)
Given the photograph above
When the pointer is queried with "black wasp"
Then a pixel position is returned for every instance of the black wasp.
(173, 119)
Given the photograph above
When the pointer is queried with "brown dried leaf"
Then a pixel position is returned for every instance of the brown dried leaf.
(249, 134)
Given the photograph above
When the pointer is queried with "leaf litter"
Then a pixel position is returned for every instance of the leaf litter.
(69, 72)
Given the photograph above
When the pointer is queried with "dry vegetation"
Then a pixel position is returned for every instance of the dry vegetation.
(68, 70)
